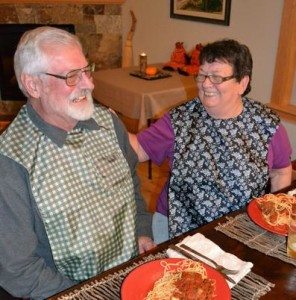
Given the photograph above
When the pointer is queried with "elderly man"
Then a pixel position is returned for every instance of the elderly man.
(69, 194)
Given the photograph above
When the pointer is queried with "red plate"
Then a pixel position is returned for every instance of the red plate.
(256, 215)
(141, 280)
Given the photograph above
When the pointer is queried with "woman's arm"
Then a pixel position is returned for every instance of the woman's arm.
(279, 159)
(280, 178)
(142, 155)
(155, 142)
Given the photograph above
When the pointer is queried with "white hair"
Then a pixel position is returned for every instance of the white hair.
(30, 56)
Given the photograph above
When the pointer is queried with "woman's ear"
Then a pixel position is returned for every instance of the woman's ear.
(244, 84)
(30, 82)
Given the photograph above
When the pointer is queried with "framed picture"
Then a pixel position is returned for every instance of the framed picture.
(209, 11)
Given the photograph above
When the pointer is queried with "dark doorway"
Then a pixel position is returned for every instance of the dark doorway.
(9, 37)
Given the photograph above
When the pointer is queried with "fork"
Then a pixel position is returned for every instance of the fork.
(224, 271)
(217, 266)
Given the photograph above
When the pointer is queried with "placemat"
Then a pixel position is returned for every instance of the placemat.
(243, 229)
(250, 287)
(158, 75)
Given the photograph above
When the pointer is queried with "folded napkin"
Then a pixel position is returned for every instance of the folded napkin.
(208, 248)
(292, 192)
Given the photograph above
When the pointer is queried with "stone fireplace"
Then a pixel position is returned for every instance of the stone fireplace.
(97, 25)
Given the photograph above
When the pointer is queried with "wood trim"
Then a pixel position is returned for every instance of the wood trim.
(286, 112)
(62, 1)
(285, 64)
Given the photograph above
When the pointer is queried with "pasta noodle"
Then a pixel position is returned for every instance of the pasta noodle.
(169, 286)
(277, 208)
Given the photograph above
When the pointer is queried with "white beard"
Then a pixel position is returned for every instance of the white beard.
(84, 112)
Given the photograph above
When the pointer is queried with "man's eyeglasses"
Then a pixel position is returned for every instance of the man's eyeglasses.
(73, 77)
(215, 79)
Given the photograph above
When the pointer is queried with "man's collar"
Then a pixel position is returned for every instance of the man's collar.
(57, 135)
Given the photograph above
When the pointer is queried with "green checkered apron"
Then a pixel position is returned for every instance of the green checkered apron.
(84, 193)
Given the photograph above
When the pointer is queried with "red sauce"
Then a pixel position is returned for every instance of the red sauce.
(191, 286)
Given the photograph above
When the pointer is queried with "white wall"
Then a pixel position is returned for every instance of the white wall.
(255, 23)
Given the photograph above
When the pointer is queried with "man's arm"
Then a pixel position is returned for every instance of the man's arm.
(144, 218)
(26, 266)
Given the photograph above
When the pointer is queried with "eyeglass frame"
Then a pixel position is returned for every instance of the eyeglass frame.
(223, 79)
(89, 68)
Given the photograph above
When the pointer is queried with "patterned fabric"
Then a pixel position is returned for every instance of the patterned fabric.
(84, 192)
(219, 165)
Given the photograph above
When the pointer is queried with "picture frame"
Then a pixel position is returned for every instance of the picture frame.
(208, 11)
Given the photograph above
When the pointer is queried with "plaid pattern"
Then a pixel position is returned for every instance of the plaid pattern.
(84, 192)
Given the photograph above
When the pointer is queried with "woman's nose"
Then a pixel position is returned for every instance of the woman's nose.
(207, 82)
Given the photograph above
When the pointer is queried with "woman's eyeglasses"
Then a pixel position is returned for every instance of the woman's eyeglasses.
(215, 79)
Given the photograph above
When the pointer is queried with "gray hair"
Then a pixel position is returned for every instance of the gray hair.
(30, 56)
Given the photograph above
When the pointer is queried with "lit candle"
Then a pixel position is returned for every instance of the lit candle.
(143, 62)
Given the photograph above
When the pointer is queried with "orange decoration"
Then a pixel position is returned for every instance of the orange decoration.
(151, 70)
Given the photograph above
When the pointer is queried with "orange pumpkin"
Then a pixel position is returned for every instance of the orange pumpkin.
(151, 71)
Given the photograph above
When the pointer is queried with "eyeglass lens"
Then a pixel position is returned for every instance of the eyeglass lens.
(215, 79)
(73, 77)
(212, 78)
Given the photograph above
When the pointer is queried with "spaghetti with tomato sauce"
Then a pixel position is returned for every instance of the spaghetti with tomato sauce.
(188, 282)
(277, 208)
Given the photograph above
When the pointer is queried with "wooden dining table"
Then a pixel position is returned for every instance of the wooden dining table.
(280, 274)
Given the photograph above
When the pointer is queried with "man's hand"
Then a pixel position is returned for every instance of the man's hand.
(145, 243)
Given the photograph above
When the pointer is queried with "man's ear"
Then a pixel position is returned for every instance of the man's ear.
(30, 83)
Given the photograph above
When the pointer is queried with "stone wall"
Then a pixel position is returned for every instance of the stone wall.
(98, 26)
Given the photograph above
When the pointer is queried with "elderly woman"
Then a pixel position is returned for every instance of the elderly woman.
(223, 148)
